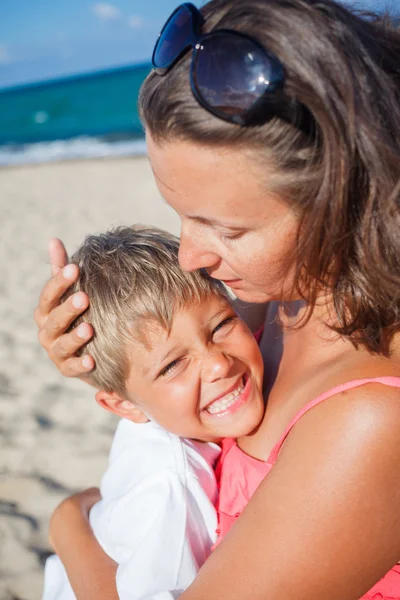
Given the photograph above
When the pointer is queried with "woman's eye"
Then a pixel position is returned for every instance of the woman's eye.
(223, 323)
(169, 368)
(230, 237)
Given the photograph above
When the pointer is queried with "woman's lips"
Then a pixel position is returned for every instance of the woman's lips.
(220, 276)
(232, 282)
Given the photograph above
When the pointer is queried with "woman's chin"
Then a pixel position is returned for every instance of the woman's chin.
(252, 295)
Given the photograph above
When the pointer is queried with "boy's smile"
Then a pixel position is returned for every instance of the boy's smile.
(201, 380)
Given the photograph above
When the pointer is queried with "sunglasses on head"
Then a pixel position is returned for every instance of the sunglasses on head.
(232, 76)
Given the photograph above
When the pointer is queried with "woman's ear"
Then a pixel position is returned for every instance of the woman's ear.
(112, 402)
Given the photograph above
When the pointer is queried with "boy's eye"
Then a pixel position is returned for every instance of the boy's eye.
(169, 368)
(226, 321)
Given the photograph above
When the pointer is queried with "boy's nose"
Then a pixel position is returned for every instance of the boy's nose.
(216, 365)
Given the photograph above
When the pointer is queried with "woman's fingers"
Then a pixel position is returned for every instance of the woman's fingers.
(53, 292)
(78, 367)
(63, 277)
(58, 255)
(64, 348)
(67, 345)
(54, 319)
(62, 316)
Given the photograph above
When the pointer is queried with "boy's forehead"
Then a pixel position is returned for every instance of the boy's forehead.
(149, 335)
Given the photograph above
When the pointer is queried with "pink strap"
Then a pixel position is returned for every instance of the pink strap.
(391, 381)
(258, 334)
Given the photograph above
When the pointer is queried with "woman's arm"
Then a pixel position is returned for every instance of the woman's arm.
(90, 570)
(323, 524)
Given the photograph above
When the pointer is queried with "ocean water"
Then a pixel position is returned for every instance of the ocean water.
(90, 115)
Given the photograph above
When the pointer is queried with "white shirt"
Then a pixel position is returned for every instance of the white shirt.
(156, 518)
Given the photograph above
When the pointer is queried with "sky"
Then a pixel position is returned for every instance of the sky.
(43, 39)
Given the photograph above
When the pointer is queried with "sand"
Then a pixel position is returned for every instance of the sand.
(54, 439)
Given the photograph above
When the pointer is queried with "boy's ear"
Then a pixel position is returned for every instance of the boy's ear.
(119, 406)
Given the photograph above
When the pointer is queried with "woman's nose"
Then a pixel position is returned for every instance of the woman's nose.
(216, 365)
(194, 252)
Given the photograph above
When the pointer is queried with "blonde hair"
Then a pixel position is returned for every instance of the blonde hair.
(132, 277)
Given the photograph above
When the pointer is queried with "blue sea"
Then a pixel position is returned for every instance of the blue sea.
(82, 116)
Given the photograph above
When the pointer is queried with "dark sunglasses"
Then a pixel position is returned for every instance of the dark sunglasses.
(232, 76)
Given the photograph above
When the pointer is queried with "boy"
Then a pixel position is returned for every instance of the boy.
(175, 361)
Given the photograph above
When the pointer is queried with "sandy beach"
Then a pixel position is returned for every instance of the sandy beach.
(54, 438)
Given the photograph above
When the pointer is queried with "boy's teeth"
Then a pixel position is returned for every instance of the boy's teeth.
(223, 403)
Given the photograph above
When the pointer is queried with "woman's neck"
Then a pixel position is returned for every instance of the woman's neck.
(311, 359)
(295, 368)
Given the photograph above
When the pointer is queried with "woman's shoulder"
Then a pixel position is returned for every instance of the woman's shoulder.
(335, 488)
(376, 397)
(360, 416)
(345, 382)
(338, 388)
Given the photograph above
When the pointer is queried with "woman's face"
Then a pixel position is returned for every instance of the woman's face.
(231, 225)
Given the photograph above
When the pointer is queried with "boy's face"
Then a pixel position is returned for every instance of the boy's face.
(203, 380)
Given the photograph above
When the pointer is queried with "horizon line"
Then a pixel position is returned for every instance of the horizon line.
(73, 76)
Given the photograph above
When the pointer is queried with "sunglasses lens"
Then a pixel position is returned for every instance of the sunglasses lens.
(231, 73)
(174, 38)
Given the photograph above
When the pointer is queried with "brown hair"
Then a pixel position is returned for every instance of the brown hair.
(343, 181)
(132, 277)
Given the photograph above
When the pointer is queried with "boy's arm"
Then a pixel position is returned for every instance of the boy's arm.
(92, 573)
(154, 541)
(156, 548)
(90, 570)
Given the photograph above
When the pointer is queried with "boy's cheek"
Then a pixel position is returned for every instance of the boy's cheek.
(246, 348)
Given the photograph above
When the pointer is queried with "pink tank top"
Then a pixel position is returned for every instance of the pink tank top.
(239, 475)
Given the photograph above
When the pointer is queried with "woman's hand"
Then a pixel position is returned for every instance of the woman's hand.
(53, 319)
(71, 517)
(90, 570)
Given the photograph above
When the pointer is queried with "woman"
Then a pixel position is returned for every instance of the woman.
(276, 139)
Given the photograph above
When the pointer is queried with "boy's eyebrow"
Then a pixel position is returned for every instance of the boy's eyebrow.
(170, 352)
(161, 360)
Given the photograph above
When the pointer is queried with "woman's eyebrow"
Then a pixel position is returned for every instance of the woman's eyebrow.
(211, 222)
